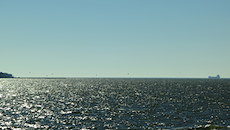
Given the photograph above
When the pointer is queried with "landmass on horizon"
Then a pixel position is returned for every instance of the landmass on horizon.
(6, 75)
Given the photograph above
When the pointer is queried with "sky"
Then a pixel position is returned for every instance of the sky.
(115, 38)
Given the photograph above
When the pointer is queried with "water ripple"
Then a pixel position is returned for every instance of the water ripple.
(114, 104)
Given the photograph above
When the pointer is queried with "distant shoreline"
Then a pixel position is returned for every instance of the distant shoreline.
(107, 78)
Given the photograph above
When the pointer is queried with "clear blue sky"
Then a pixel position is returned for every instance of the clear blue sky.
(115, 38)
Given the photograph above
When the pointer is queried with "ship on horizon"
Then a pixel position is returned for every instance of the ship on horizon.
(214, 77)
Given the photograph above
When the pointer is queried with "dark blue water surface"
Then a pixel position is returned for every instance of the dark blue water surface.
(115, 103)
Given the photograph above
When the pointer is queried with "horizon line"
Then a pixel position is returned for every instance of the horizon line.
(118, 77)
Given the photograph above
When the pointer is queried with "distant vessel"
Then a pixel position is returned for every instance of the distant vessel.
(214, 77)
(6, 75)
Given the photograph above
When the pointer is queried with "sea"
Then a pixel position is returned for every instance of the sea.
(114, 103)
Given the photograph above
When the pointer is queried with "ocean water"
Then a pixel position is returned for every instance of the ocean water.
(115, 103)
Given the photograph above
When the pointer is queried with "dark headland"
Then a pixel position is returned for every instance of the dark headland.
(5, 75)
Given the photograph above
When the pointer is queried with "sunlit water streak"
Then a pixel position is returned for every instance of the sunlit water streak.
(114, 103)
